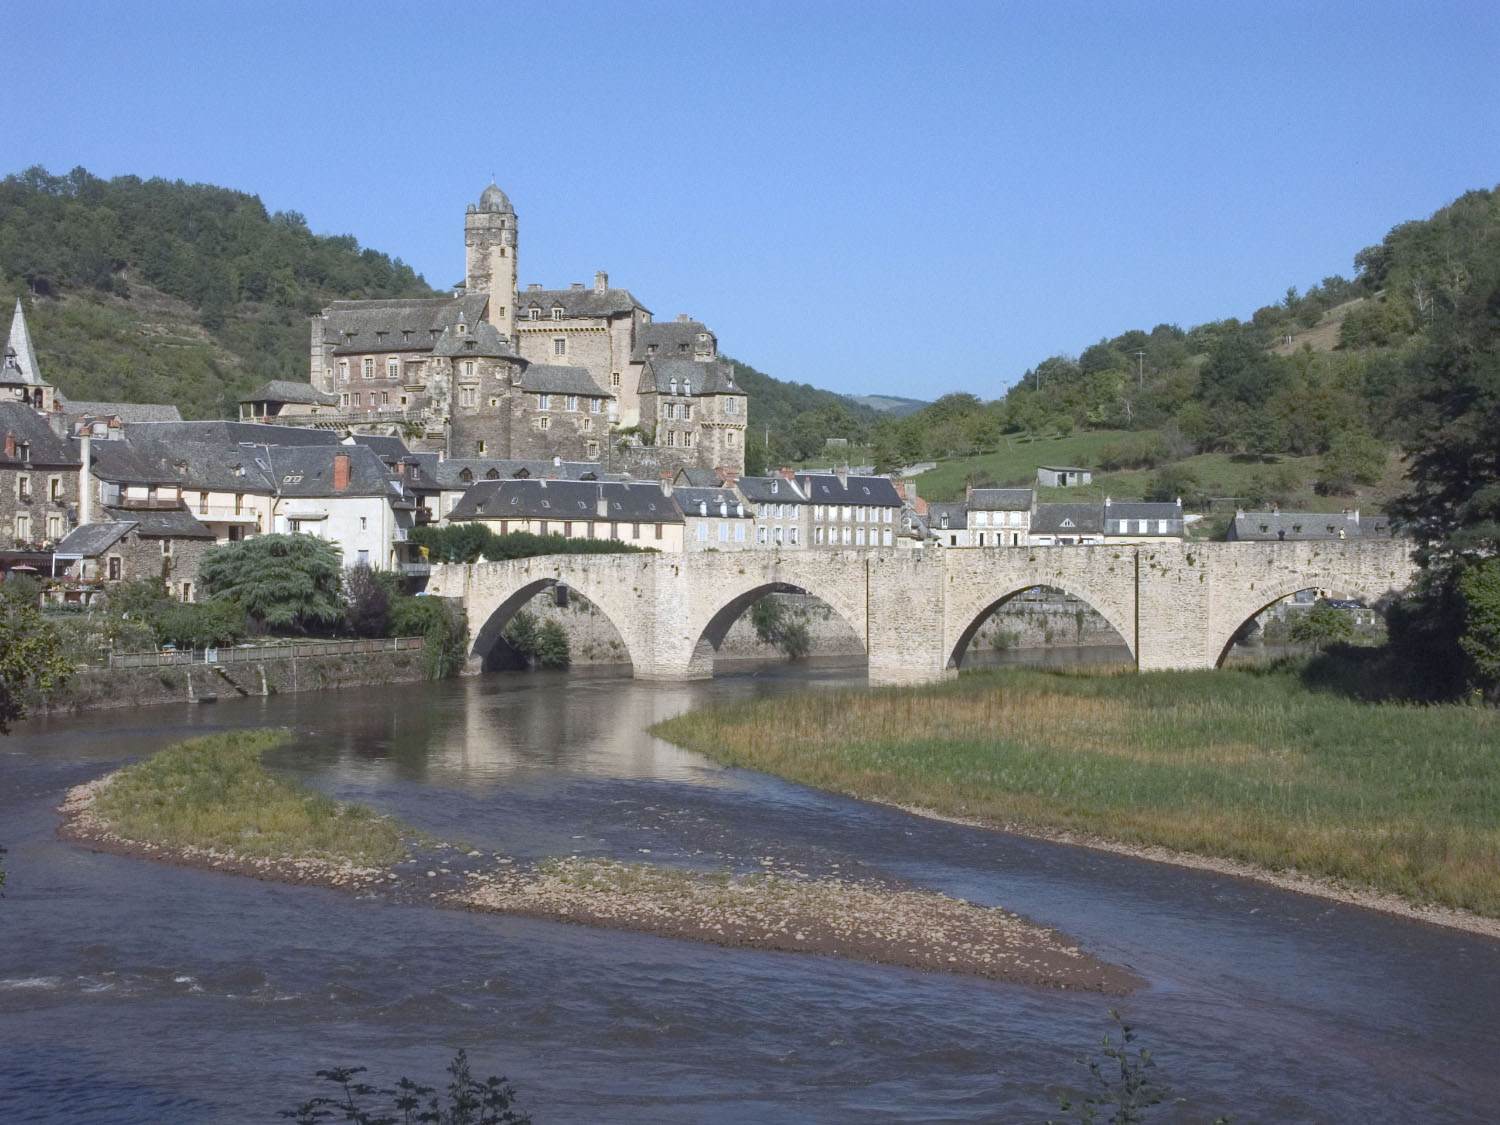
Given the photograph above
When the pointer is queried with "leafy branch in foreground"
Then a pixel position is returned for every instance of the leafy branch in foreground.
(467, 1101)
(1124, 1084)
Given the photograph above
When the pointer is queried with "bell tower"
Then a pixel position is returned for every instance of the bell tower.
(490, 257)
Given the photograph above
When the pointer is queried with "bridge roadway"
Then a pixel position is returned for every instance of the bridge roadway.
(1177, 605)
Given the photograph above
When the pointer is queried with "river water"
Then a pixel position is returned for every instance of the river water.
(133, 991)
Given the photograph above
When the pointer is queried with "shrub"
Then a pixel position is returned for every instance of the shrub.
(470, 542)
(552, 649)
(1322, 626)
(443, 628)
(368, 598)
(467, 1101)
(217, 621)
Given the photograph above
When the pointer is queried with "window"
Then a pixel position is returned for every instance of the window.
(367, 368)
(723, 533)
(729, 438)
(596, 406)
(557, 312)
(703, 533)
(187, 591)
(687, 386)
(544, 402)
(887, 537)
(731, 406)
(859, 537)
(23, 451)
(635, 531)
(343, 371)
(494, 401)
(671, 437)
(364, 523)
(533, 314)
(23, 488)
(559, 345)
(364, 557)
(572, 401)
(468, 369)
(760, 536)
(479, 446)
(674, 384)
(739, 533)
(844, 536)
(54, 526)
(393, 368)
(776, 535)
(614, 378)
(544, 423)
(592, 450)
(687, 439)
(115, 568)
(166, 548)
(791, 535)
(671, 409)
(467, 396)
(344, 399)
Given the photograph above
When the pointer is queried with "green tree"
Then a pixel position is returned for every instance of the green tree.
(552, 649)
(369, 601)
(1480, 639)
(1352, 459)
(1322, 626)
(31, 657)
(282, 581)
(1170, 482)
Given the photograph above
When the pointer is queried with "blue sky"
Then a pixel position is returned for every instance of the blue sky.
(872, 197)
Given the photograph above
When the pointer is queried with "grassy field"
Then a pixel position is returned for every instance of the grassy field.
(214, 793)
(1015, 462)
(1243, 765)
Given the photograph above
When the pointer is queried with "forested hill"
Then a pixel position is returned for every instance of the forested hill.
(1331, 372)
(793, 421)
(164, 291)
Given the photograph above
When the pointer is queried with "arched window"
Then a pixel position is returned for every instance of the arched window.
(687, 386)
(674, 384)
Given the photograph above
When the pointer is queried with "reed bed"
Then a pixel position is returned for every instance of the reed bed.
(1242, 765)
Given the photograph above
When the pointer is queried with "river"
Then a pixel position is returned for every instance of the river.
(134, 991)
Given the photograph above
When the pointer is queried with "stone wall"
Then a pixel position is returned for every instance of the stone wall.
(97, 688)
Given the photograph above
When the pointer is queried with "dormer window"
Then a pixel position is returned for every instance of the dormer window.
(533, 313)
(557, 312)
(1067, 523)
(674, 384)
(465, 475)
(687, 386)
(462, 328)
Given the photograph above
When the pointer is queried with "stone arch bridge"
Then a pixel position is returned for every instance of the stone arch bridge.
(1177, 605)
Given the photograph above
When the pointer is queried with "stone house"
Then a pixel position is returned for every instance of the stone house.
(641, 514)
(1062, 476)
(38, 484)
(716, 519)
(1143, 521)
(783, 512)
(851, 511)
(281, 398)
(1067, 525)
(694, 405)
(164, 543)
(948, 523)
(345, 495)
(999, 517)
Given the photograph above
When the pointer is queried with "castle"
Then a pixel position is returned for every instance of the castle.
(582, 373)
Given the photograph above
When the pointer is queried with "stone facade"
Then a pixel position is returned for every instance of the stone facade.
(471, 374)
(38, 480)
(1175, 605)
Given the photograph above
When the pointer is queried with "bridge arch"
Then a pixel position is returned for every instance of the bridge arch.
(976, 613)
(1243, 606)
(737, 587)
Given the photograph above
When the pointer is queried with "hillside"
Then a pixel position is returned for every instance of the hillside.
(1307, 402)
(892, 405)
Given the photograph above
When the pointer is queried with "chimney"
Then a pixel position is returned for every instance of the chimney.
(788, 474)
(10, 446)
(575, 285)
(534, 287)
(666, 484)
(1106, 503)
(341, 472)
(601, 281)
(85, 481)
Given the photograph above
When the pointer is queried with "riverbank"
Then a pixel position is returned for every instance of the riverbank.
(209, 802)
(1246, 772)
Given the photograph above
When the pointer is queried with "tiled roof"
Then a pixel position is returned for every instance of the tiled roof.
(565, 500)
(1001, 499)
(21, 425)
(90, 540)
(284, 390)
(577, 302)
(541, 378)
(829, 489)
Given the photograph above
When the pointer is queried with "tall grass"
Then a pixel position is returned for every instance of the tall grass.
(1246, 765)
(213, 792)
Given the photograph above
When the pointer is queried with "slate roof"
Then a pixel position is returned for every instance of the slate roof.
(19, 363)
(449, 473)
(693, 500)
(670, 338)
(398, 325)
(544, 378)
(695, 477)
(826, 488)
(495, 200)
(1001, 499)
(771, 490)
(706, 377)
(123, 461)
(565, 500)
(162, 523)
(1301, 526)
(577, 302)
(233, 433)
(481, 339)
(1068, 519)
(23, 424)
(1143, 510)
(284, 390)
(307, 471)
(90, 540)
(124, 411)
(958, 516)
(386, 447)
(1064, 469)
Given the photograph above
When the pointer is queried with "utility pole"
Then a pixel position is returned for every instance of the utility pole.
(1140, 369)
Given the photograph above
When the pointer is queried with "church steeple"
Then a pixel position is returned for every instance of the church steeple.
(19, 354)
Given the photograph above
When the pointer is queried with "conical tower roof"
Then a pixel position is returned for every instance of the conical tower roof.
(19, 354)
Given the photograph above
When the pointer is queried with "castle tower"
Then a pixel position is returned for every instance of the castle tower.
(490, 257)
